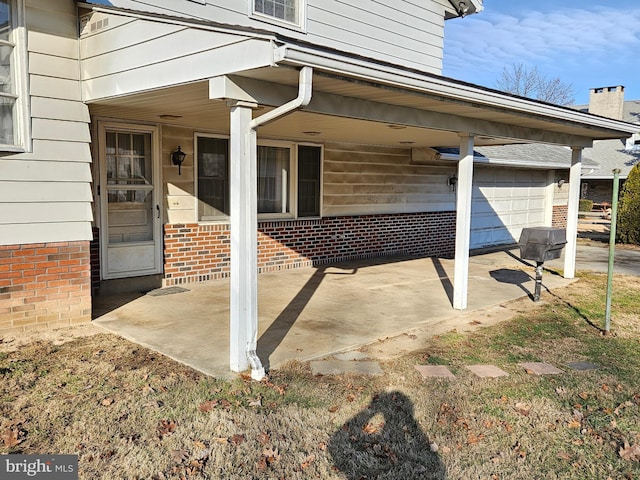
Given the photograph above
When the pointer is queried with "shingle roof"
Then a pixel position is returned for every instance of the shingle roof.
(603, 157)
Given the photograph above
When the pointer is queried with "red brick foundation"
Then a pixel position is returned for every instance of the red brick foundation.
(559, 217)
(194, 253)
(44, 285)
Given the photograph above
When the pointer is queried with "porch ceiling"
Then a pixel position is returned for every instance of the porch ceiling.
(189, 105)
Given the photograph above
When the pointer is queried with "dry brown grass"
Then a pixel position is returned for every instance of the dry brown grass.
(131, 413)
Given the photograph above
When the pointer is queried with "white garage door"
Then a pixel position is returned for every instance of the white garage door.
(505, 200)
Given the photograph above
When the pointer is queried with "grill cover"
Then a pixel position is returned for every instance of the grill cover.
(542, 243)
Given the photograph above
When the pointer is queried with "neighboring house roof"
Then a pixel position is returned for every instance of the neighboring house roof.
(531, 155)
(610, 154)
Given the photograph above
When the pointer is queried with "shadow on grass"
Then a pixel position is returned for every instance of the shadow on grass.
(384, 441)
(586, 319)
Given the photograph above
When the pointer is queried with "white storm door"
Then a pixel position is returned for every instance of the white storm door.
(130, 233)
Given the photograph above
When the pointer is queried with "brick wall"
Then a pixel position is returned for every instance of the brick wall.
(44, 285)
(195, 252)
(559, 217)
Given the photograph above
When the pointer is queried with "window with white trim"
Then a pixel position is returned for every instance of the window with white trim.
(278, 195)
(287, 11)
(12, 102)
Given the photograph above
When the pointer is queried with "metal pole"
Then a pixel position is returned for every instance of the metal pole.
(536, 296)
(612, 248)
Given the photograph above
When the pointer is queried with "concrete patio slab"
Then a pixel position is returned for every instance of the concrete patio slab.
(351, 356)
(540, 368)
(313, 313)
(487, 371)
(339, 367)
(434, 371)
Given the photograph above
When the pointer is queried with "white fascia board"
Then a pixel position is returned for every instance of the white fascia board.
(440, 86)
(515, 163)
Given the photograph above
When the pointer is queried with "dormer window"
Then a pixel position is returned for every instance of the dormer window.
(289, 13)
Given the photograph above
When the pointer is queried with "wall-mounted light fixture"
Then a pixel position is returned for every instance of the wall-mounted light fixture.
(452, 181)
(561, 182)
(177, 158)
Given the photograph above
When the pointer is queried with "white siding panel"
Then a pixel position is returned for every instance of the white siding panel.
(50, 66)
(46, 129)
(122, 33)
(54, 17)
(13, 213)
(162, 48)
(42, 171)
(363, 180)
(53, 108)
(25, 233)
(41, 42)
(61, 88)
(44, 192)
(55, 151)
(202, 65)
(345, 26)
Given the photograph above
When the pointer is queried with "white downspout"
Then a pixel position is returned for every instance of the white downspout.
(303, 99)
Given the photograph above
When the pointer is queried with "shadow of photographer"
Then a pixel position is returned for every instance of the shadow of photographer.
(384, 441)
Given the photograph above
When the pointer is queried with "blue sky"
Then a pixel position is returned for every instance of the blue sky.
(587, 43)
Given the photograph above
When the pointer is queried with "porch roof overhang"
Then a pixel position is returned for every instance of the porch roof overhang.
(355, 99)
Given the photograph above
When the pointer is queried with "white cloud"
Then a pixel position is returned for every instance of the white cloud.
(487, 42)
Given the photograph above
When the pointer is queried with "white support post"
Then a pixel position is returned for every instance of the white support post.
(549, 196)
(572, 214)
(463, 222)
(244, 223)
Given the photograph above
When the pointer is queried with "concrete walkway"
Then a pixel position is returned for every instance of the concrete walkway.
(313, 313)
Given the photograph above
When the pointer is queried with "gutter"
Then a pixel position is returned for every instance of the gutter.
(305, 87)
(446, 89)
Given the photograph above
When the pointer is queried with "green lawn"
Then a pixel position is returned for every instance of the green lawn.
(131, 413)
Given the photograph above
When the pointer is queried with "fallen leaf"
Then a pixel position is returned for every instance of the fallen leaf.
(237, 439)
(445, 450)
(475, 322)
(308, 461)
(574, 424)
(208, 405)
(564, 456)
(166, 428)
(630, 453)
(199, 444)
(257, 402)
(264, 438)
(322, 446)
(108, 401)
(12, 437)
(472, 438)
(605, 387)
(270, 455)
(262, 464)
(334, 409)
(220, 439)
(561, 390)
(351, 397)
(523, 408)
(147, 390)
(583, 395)
(179, 456)
(370, 429)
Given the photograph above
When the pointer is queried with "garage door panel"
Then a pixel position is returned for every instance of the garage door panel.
(505, 201)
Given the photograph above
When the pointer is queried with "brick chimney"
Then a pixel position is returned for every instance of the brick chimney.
(607, 101)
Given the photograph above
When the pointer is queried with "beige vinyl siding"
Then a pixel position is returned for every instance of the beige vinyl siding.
(132, 55)
(180, 200)
(45, 194)
(403, 32)
(362, 180)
